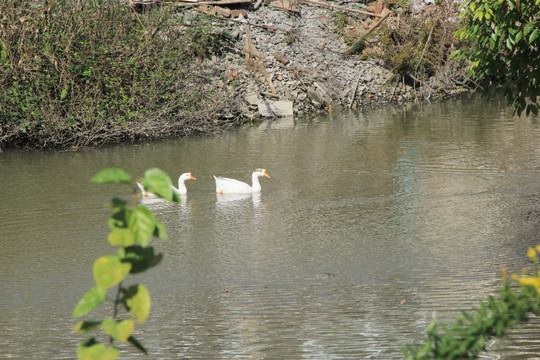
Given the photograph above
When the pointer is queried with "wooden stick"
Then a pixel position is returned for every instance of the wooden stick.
(247, 41)
(354, 93)
(224, 2)
(267, 27)
(251, 50)
(315, 2)
(394, 91)
(245, 22)
(387, 14)
(425, 48)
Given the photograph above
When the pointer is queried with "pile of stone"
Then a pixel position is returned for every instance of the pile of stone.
(293, 62)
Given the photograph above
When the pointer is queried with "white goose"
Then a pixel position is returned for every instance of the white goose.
(180, 190)
(181, 186)
(232, 186)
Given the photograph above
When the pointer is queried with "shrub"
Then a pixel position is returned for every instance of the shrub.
(78, 73)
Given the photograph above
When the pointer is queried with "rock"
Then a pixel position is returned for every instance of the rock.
(280, 57)
(252, 99)
(280, 108)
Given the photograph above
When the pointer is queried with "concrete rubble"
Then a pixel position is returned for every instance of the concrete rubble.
(296, 64)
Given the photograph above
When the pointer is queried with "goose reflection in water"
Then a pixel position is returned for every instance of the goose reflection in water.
(235, 200)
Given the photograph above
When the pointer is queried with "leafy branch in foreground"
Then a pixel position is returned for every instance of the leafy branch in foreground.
(466, 337)
(132, 226)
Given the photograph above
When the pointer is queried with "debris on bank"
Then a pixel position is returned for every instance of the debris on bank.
(291, 58)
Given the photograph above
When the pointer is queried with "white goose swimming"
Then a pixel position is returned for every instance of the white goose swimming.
(232, 186)
(181, 186)
(180, 190)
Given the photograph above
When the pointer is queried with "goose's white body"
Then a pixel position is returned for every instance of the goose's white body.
(233, 186)
(146, 194)
(180, 190)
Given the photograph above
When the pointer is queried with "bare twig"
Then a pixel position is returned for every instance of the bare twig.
(341, 8)
(379, 22)
(223, 2)
(252, 51)
(354, 93)
(394, 91)
(424, 50)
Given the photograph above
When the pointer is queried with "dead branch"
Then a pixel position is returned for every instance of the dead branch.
(252, 51)
(245, 22)
(223, 2)
(386, 13)
(341, 8)
(354, 93)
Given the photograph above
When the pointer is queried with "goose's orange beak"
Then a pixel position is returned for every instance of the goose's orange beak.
(192, 177)
(266, 174)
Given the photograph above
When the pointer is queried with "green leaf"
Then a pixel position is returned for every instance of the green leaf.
(158, 182)
(86, 326)
(519, 35)
(159, 230)
(138, 302)
(142, 224)
(534, 35)
(109, 271)
(119, 218)
(176, 197)
(112, 175)
(89, 301)
(120, 330)
(121, 237)
(509, 43)
(118, 203)
(3, 55)
(92, 350)
(140, 258)
(528, 27)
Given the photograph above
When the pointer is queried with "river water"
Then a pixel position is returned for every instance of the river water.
(371, 223)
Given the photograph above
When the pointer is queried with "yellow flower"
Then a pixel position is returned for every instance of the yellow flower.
(530, 281)
(531, 253)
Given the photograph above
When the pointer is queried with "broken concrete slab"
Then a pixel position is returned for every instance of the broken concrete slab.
(252, 99)
(279, 108)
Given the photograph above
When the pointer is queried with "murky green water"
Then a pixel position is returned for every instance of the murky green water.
(371, 223)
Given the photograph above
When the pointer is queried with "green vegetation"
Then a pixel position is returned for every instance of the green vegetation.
(132, 227)
(78, 73)
(466, 337)
(419, 46)
(416, 47)
(345, 27)
(504, 39)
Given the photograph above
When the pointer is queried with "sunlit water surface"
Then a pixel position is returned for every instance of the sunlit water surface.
(370, 224)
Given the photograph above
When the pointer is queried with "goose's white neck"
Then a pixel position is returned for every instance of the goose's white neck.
(181, 186)
(256, 185)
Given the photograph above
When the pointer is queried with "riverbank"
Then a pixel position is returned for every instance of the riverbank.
(197, 69)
